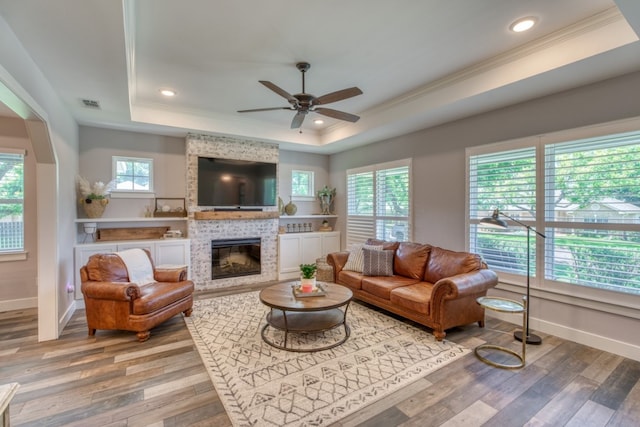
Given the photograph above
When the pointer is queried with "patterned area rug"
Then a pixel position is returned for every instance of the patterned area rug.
(260, 385)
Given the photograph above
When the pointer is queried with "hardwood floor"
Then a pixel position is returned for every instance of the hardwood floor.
(113, 380)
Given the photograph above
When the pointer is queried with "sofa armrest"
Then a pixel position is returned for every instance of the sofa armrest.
(117, 291)
(462, 285)
(337, 260)
(170, 274)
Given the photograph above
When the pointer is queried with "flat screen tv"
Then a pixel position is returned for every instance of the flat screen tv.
(227, 183)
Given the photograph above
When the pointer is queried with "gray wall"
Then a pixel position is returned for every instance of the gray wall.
(98, 145)
(439, 184)
(292, 160)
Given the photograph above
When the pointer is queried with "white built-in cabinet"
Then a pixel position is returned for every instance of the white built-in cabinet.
(163, 252)
(303, 248)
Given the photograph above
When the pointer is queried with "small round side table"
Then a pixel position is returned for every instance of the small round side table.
(504, 306)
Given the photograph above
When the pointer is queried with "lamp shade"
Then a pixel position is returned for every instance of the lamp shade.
(494, 221)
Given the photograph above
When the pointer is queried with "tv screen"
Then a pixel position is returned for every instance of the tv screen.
(236, 183)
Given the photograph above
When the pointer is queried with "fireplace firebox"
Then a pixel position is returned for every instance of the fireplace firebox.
(235, 257)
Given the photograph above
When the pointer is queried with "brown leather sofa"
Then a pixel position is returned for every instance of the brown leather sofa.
(112, 302)
(435, 287)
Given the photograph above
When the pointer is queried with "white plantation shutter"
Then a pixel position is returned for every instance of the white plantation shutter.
(507, 181)
(378, 202)
(593, 211)
(11, 200)
(584, 195)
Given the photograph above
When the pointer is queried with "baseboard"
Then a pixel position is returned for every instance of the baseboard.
(18, 304)
(623, 349)
(66, 316)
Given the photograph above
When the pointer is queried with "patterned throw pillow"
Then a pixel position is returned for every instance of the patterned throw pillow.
(377, 263)
(355, 261)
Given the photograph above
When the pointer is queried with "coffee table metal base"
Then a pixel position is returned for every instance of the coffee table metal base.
(305, 323)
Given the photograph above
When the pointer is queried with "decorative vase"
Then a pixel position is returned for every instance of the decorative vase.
(94, 208)
(290, 208)
(307, 285)
(280, 206)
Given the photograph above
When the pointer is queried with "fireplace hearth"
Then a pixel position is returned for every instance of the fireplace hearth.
(235, 257)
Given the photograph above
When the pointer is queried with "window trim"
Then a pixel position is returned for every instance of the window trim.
(302, 197)
(407, 162)
(18, 254)
(605, 300)
(133, 193)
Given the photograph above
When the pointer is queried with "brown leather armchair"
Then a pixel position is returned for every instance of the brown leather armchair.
(113, 302)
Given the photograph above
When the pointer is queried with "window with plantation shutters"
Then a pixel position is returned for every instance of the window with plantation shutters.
(592, 193)
(583, 194)
(11, 200)
(378, 202)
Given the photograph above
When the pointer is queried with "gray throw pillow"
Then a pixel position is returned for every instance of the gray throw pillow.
(377, 263)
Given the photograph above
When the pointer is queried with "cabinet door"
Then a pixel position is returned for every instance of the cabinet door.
(330, 242)
(311, 248)
(174, 252)
(82, 254)
(289, 254)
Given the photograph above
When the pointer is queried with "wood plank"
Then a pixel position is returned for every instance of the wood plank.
(240, 214)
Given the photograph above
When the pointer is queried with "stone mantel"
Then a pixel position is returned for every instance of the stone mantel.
(223, 215)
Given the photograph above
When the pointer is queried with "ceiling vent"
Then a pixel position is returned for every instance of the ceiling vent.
(90, 103)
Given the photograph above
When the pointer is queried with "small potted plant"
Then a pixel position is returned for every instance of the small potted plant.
(308, 277)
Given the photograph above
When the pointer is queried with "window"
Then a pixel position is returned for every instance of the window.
(11, 200)
(132, 174)
(302, 185)
(378, 202)
(584, 195)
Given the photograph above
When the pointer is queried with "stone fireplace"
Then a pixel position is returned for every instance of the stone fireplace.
(208, 228)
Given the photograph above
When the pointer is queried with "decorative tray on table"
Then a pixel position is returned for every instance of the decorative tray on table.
(319, 291)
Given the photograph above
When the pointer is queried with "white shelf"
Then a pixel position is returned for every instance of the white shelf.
(312, 216)
(133, 219)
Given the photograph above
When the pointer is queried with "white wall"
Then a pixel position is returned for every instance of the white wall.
(439, 188)
(54, 135)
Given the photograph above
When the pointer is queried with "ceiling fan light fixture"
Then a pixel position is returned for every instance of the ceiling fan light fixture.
(523, 24)
(168, 92)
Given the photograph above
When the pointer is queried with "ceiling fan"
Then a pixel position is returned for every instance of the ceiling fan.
(303, 103)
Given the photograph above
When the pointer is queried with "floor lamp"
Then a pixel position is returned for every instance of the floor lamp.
(495, 222)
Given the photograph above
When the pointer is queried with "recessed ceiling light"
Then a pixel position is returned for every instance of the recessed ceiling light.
(523, 24)
(318, 121)
(168, 92)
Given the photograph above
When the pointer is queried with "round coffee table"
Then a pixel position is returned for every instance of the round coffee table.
(292, 314)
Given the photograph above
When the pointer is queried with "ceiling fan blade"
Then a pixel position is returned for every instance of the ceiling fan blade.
(337, 114)
(297, 120)
(264, 109)
(283, 93)
(338, 96)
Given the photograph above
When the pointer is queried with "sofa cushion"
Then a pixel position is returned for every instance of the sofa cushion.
(446, 263)
(415, 297)
(387, 246)
(382, 286)
(377, 263)
(351, 279)
(356, 257)
(410, 260)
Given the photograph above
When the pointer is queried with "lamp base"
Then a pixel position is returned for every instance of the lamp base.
(531, 338)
